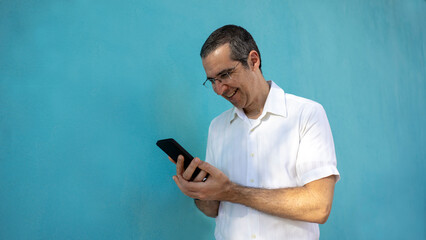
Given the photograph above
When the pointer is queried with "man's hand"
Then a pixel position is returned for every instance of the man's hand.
(216, 187)
(189, 171)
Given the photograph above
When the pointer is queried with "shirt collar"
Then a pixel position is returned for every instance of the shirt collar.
(275, 104)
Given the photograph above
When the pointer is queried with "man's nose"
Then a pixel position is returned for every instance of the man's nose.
(220, 88)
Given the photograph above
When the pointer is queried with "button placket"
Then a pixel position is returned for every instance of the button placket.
(252, 178)
(252, 160)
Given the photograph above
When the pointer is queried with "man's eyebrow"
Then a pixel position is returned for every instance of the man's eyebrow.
(221, 72)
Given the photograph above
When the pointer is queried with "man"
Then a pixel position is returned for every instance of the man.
(270, 161)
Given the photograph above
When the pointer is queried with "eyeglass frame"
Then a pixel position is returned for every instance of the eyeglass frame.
(221, 77)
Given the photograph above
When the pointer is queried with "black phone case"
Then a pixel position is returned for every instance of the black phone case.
(173, 150)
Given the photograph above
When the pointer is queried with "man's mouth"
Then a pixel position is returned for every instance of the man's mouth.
(232, 93)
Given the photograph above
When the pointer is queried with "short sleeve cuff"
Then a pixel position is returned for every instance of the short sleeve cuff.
(319, 173)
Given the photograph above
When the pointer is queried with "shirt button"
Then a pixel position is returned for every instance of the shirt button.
(252, 155)
(252, 180)
(253, 236)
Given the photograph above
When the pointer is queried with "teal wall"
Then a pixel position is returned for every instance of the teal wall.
(87, 87)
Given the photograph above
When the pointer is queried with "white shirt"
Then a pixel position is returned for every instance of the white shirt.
(289, 145)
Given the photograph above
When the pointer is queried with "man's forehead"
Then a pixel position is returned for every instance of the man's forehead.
(217, 59)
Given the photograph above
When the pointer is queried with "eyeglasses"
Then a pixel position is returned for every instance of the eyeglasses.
(223, 77)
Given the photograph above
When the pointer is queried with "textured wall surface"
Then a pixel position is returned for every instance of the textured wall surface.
(88, 87)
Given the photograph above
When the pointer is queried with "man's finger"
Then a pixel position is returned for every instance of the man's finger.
(191, 168)
(177, 181)
(200, 177)
(210, 169)
(171, 160)
(179, 165)
(188, 188)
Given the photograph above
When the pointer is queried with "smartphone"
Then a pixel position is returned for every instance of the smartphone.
(173, 150)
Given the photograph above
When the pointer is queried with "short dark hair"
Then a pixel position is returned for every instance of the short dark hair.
(240, 41)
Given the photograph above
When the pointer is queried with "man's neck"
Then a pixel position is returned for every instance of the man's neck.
(255, 110)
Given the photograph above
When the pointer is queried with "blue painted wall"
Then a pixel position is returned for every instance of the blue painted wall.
(87, 87)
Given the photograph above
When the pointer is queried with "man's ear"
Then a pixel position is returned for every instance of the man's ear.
(253, 60)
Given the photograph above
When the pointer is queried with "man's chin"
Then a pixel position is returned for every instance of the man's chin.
(236, 104)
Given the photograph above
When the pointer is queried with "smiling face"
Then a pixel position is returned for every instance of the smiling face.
(240, 89)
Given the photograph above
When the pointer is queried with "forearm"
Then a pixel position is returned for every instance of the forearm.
(301, 203)
(311, 203)
(209, 207)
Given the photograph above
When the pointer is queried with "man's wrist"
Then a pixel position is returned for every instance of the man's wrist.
(230, 193)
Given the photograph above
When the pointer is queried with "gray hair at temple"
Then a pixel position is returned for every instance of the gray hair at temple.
(240, 41)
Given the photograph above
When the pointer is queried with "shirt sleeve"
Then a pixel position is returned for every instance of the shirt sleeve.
(316, 156)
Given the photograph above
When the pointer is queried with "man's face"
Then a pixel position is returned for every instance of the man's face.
(237, 89)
